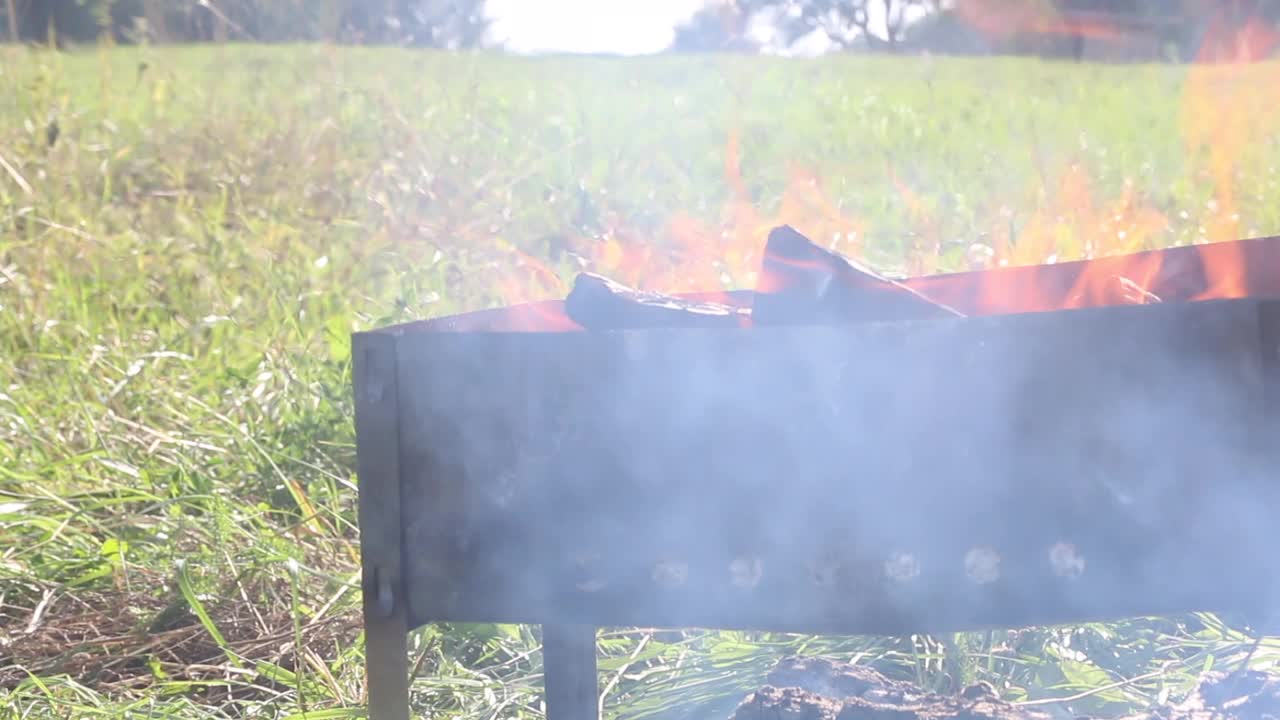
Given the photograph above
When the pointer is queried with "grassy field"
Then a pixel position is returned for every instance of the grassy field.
(188, 237)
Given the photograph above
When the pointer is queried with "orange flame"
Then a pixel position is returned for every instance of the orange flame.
(528, 279)
(1228, 107)
(702, 256)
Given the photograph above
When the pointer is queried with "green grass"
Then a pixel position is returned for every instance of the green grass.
(181, 270)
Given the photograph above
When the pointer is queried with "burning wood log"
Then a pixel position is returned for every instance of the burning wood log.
(598, 303)
(801, 282)
(1242, 268)
(817, 689)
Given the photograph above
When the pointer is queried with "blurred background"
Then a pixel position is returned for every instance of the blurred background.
(1068, 28)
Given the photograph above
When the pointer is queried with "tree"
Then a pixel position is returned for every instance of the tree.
(431, 23)
(842, 22)
(11, 19)
(717, 27)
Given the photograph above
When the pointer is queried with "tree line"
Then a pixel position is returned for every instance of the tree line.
(429, 23)
(722, 25)
(434, 23)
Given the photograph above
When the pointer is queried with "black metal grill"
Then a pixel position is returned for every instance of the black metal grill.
(885, 478)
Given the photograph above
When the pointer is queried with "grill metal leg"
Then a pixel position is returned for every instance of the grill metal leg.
(386, 625)
(386, 656)
(569, 672)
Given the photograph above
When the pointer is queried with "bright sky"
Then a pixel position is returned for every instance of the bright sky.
(627, 27)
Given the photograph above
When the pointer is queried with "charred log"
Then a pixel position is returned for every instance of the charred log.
(1246, 695)
(841, 680)
(1243, 268)
(818, 689)
(598, 303)
(802, 283)
(772, 703)
(824, 690)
